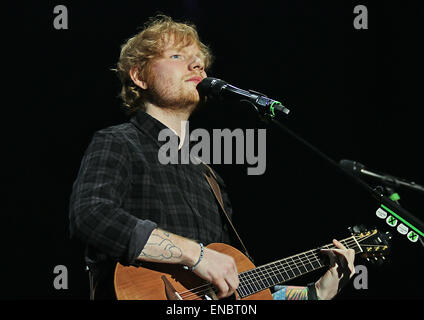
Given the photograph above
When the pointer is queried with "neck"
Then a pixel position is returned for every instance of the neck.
(281, 271)
(170, 118)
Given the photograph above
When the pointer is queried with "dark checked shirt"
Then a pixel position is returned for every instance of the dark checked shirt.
(123, 192)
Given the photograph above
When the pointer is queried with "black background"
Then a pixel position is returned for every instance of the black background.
(354, 94)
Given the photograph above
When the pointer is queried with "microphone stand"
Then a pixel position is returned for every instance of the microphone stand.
(393, 181)
(408, 218)
(389, 192)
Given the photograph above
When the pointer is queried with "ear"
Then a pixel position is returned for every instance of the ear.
(134, 74)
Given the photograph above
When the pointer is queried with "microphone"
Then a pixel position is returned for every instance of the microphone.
(388, 180)
(218, 89)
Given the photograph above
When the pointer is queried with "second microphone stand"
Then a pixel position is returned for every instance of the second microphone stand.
(415, 223)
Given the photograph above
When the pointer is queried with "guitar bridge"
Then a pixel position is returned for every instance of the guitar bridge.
(171, 293)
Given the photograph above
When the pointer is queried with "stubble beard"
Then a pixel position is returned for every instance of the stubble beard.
(171, 96)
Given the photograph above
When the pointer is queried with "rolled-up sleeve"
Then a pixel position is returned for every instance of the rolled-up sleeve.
(95, 209)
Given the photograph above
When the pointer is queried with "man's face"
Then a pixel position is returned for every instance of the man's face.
(173, 77)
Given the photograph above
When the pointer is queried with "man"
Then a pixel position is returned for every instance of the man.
(128, 207)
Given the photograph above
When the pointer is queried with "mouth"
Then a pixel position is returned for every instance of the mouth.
(195, 79)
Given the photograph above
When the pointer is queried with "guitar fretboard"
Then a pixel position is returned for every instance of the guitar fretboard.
(281, 271)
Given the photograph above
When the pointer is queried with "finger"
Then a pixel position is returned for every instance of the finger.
(346, 258)
(341, 258)
(222, 287)
(232, 276)
(331, 256)
(338, 244)
(345, 269)
(232, 279)
(236, 275)
(346, 254)
(235, 268)
(349, 255)
(233, 283)
(351, 258)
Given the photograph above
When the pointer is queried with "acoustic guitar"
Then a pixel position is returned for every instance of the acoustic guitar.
(161, 281)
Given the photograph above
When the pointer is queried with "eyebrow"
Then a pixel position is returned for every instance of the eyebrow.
(181, 49)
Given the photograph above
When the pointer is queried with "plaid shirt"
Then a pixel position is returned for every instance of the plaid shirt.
(123, 192)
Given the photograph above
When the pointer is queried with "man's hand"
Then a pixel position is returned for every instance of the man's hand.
(215, 267)
(341, 270)
(220, 270)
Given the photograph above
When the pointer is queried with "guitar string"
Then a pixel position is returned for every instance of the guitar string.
(355, 244)
(191, 292)
(304, 258)
(187, 295)
(252, 282)
(350, 242)
(347, 242)
(290, 264)
(205, 288)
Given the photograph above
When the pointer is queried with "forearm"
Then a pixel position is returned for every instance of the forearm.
(213, 266)
(296, 293)
(166, 247)
(290, 293)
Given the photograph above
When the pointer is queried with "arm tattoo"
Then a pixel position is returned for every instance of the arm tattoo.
(297, 293)
(160, 248)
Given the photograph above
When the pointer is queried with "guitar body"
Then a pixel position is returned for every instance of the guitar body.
(158, 281)
(164, 281)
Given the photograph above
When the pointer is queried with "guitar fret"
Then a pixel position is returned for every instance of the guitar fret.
(244, 285)
(264, 284)
(288, 277)
(241, 291)
(288, 269)
(258, 278)
(317, 261)
(283, 270)
(253, 275)
(277, 276)
(301, 267)
(308, 264)
(257, 281)
(355, 246)
(267, 277)
(274, 280)
(294, 270)
(316, 264)
(252, 289)
(272, 276)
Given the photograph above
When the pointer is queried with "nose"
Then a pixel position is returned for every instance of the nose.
(197, 64)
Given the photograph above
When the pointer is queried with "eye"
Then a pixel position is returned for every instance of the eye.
(176, 56)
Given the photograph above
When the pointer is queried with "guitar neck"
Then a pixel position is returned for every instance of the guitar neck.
(284, 270)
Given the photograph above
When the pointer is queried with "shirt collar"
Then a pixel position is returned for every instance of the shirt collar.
(151, 126)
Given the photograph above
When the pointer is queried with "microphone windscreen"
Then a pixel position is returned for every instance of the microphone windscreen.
(210, 87)
(351, 165)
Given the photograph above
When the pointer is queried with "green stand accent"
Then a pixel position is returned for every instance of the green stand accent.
(271, 108)
(394, 197)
